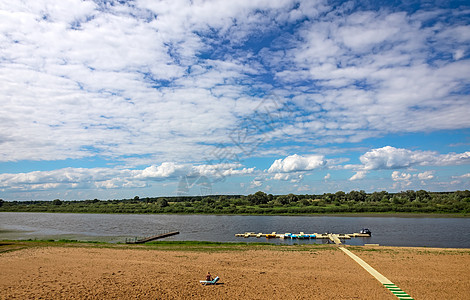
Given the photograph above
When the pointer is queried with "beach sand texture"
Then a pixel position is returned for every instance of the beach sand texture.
(110, 273)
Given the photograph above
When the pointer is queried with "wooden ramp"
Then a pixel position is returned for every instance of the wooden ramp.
(151, 238)
(334, 238)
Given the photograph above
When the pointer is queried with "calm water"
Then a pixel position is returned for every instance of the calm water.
(391, 231)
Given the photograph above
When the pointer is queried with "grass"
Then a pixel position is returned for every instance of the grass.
(197, 246)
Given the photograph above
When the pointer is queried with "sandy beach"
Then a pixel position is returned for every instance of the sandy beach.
(271, 273)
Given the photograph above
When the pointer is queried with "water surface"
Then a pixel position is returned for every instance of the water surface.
(391, 231)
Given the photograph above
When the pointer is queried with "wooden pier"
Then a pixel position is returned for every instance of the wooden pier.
(151, 238)
(333, 237)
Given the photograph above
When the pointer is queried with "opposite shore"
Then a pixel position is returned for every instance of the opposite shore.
(260, 203)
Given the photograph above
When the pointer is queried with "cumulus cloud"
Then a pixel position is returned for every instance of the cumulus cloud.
(68, 177)
(398, 158)
(147, 81)
(292, 177)
(395, 158)
(427, 175)
(256, 183)
(458, 54)
(295, 163)
(159, 78)
(281, 176)
(165, 170)
(403, 180)
(467, 175)
(359, 175)
(121, 79)
(108, 178)
(397, 176)
(222, 170)
(375, 73)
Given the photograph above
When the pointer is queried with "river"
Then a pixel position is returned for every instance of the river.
(386, 230)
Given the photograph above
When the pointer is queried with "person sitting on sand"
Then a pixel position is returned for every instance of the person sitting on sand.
(208, 276)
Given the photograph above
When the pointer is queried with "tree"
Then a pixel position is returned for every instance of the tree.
(328, 197)
(398, 200)
(292, 198)
(283, 199)
(340, 196)
(411, 195)
(57, 202)
(423, 195)
(1, 202)
(162, 202)
(356, 196)
(258, 198)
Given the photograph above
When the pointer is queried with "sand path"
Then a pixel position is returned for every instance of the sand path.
(103, 273)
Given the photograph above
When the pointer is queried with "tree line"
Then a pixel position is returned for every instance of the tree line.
(410, 201)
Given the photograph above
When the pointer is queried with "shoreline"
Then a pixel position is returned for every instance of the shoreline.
(209, 246)
(340, 214)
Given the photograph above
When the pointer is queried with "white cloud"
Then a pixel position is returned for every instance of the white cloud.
(116, 77)
(165, 170)
(129, 79)
(397, 176)
(295, 163)
(394, 158)
(281, 176)
(404, 180)
(387, 158)
(256, 183)
(398, 158)
(68, 177)
(467, 175)
(327, 176)
(108, 178)
(458, 54)
(358, 176)
(292, 177)
(427, 175)
(222, 170)
(163, 82)
(375, 70)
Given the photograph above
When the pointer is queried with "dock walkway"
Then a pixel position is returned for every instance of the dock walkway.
(151, 238)
(333, 237)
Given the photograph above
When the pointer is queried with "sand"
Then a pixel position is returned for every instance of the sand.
(327, 273)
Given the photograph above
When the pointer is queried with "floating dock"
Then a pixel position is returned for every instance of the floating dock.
(333, 237)
(151, 238)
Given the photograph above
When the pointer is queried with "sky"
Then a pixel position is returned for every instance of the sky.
(116, 99)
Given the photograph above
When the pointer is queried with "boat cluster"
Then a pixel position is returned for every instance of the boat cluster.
(299, 236)
(363, 233)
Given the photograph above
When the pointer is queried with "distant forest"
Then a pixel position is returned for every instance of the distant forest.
(261, 203)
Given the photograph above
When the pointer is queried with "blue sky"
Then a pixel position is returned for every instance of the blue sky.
(112, 99)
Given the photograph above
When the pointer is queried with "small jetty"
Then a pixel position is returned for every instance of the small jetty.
(333, 237)
(143, 240)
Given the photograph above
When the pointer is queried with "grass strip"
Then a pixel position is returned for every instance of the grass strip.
(198, 246)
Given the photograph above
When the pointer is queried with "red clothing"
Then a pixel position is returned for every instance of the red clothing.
(208, 277)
